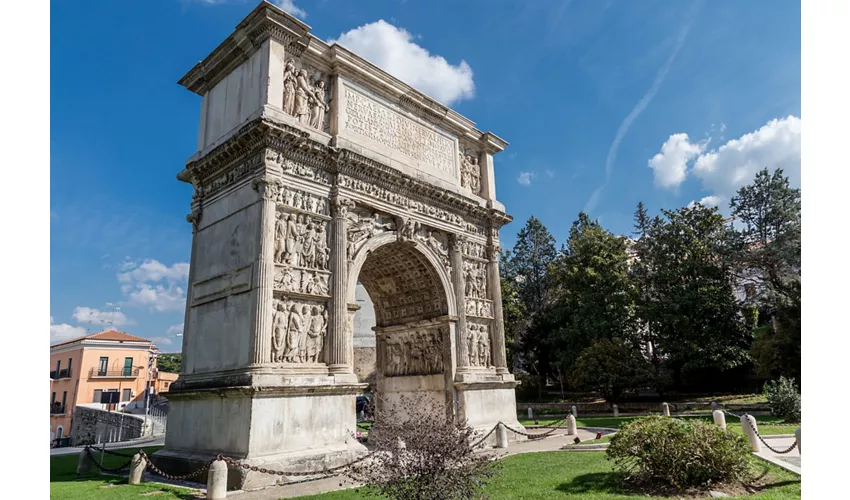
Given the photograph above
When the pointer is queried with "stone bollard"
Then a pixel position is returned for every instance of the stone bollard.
(750, 428)
(137, 469)
(797, 435)
(574, 411)
(84, 464)
(501, 436)
(719, 419)
(217, 481)
(665, 409)
(571, 426)
(530, 413)
(616, 411)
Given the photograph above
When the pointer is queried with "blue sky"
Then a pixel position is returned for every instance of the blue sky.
(604, 104)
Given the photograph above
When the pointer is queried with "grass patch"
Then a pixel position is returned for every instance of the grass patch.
(585, 476)
(764, 423)
(66, 485)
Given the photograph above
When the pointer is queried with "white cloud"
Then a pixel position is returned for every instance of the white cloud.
(289, 7)
(161, 341)
(725, 169)
(525, 178)
(175, 329)
(734, 164)
(392, 49)
(159, 297)
(88, 315)
(155, 285)
(707, 201)
(671, 164)
(153, 270)
(64, 331)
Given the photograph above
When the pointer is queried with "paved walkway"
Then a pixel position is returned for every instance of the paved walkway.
(292, 490)
(790, 461)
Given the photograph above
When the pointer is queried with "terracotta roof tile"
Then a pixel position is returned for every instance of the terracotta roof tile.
(113, 335)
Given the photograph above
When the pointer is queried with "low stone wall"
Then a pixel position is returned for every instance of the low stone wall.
(93, 425)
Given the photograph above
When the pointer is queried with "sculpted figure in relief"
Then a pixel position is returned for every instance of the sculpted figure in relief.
(279, 238)
(318, 106)
(314, 336)
(470, 172)
(302, 96)
(289, 87)
(294, 329)
(278, 331)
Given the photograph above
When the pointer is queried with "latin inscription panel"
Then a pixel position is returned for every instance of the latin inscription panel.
(373, 120)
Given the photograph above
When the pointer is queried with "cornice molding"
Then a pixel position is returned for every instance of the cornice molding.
(263, 23)
(294, 144)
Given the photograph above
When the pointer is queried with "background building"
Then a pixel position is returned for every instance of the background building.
(82, 369)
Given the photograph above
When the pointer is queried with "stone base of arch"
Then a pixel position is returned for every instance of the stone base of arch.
(306, 426)
(486, 401)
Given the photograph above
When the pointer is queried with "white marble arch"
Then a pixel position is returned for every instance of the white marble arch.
(377, 241)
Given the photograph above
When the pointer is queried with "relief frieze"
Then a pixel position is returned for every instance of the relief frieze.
(299, 328)
(414, 352)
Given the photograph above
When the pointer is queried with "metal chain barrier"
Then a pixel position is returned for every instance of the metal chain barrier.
(778, 452)
(107, 469)
(535, 436)
(477, 443)
(115, 453)
(159, 472)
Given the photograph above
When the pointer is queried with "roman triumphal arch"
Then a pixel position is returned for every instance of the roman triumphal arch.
(315, 170)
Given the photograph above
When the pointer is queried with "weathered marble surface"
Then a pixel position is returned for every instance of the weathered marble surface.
(315, 171)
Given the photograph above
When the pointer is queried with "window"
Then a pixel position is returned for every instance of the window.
(96, 397)
(126, 395)
(58, 366)
(166, 385)
(102, 366)
(64, 397)
(59, 432)
(128, 366)
(53, 398)
(69, 366)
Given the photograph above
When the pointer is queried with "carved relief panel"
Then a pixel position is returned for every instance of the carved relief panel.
(363, 225)
(475, 288)
(298, 169)
(299, 327)
(414, 352)
(470, 171)
(306, 95)
(477, 340)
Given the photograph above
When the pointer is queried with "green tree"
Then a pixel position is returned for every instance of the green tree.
(611, 367)
(640, 273)
(526, 268)
(513, 311)
(692, 310)
(767, 255)
(769, 210)
(169, 362)
(593, 293)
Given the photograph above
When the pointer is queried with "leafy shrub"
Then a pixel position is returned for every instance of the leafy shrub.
(683, 454)
(783, 398)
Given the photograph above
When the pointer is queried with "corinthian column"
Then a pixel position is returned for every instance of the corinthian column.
(456, 256)
(338, 352)
(260, 349)
(497, 341)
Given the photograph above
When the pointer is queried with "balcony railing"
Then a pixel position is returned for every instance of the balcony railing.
(57, 410)
(63, 373)
(122, 373)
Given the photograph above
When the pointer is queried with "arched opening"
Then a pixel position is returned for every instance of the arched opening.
(413, 326)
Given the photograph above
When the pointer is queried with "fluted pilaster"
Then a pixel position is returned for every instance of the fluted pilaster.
(456, 257)
(338, 352)
(497, 340)
(261, 348)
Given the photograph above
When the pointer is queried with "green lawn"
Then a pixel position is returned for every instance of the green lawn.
(765, 429)
(586, 475)
(65, 485)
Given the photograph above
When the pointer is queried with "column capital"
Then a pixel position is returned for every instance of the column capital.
(340, 206)
(268, 189)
